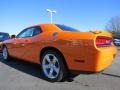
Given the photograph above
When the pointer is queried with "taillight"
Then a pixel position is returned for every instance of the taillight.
(103, 41)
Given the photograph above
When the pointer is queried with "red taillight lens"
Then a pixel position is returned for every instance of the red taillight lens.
(103, 41)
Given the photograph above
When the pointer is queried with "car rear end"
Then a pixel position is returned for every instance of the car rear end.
(87, 51)
(98, 54)
(105, 51)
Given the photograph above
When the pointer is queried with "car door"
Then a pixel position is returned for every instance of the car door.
(32, 47)
(20, 41)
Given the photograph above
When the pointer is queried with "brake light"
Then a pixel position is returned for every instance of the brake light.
(103, 41)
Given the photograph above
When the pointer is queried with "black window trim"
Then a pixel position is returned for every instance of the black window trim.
(39, 29)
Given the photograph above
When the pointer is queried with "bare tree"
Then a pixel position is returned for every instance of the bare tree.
(114, 26)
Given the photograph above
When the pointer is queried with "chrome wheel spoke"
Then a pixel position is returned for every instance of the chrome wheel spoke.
(56, 69)
(51, 72)
(5, 54)
(54, 60)
(46, 66)
(48, 58)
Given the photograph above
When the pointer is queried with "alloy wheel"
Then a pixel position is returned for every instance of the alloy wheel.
(5, 53)
(51, 67)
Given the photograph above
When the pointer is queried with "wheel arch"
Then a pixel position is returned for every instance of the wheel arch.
(54, 49)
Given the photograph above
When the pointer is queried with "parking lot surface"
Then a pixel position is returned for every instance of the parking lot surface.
(19, 75)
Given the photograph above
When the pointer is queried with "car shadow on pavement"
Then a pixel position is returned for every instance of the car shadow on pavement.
(111, 75)
(31, 69)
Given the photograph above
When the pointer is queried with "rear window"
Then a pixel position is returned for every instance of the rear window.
(66, 28)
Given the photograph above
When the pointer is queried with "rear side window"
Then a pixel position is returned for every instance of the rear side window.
(37, 30)
(66, 28)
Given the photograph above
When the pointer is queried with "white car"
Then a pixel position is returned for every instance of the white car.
(117, 42)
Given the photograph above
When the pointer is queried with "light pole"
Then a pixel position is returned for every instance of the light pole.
(51, 14)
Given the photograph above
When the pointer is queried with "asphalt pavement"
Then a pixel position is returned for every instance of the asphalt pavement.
(19, 75)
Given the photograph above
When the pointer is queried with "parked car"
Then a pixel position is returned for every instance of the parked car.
(3, 36)
(117, 42)
(60, 49)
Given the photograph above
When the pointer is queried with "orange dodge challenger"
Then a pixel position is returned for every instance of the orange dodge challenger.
(59, 48)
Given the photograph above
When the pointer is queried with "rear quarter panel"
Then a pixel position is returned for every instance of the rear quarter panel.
(76, 46)
(81, 53)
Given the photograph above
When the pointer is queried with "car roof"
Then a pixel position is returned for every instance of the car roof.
(49, 27)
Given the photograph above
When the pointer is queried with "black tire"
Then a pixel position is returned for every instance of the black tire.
(5, 51)
(62, 71)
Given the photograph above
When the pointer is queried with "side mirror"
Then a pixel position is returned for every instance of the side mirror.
(13, 36)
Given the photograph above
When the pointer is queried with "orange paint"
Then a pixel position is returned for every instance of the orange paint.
(78, 48)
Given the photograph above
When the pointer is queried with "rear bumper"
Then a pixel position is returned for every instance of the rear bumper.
(95, 60)
(105, 57)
